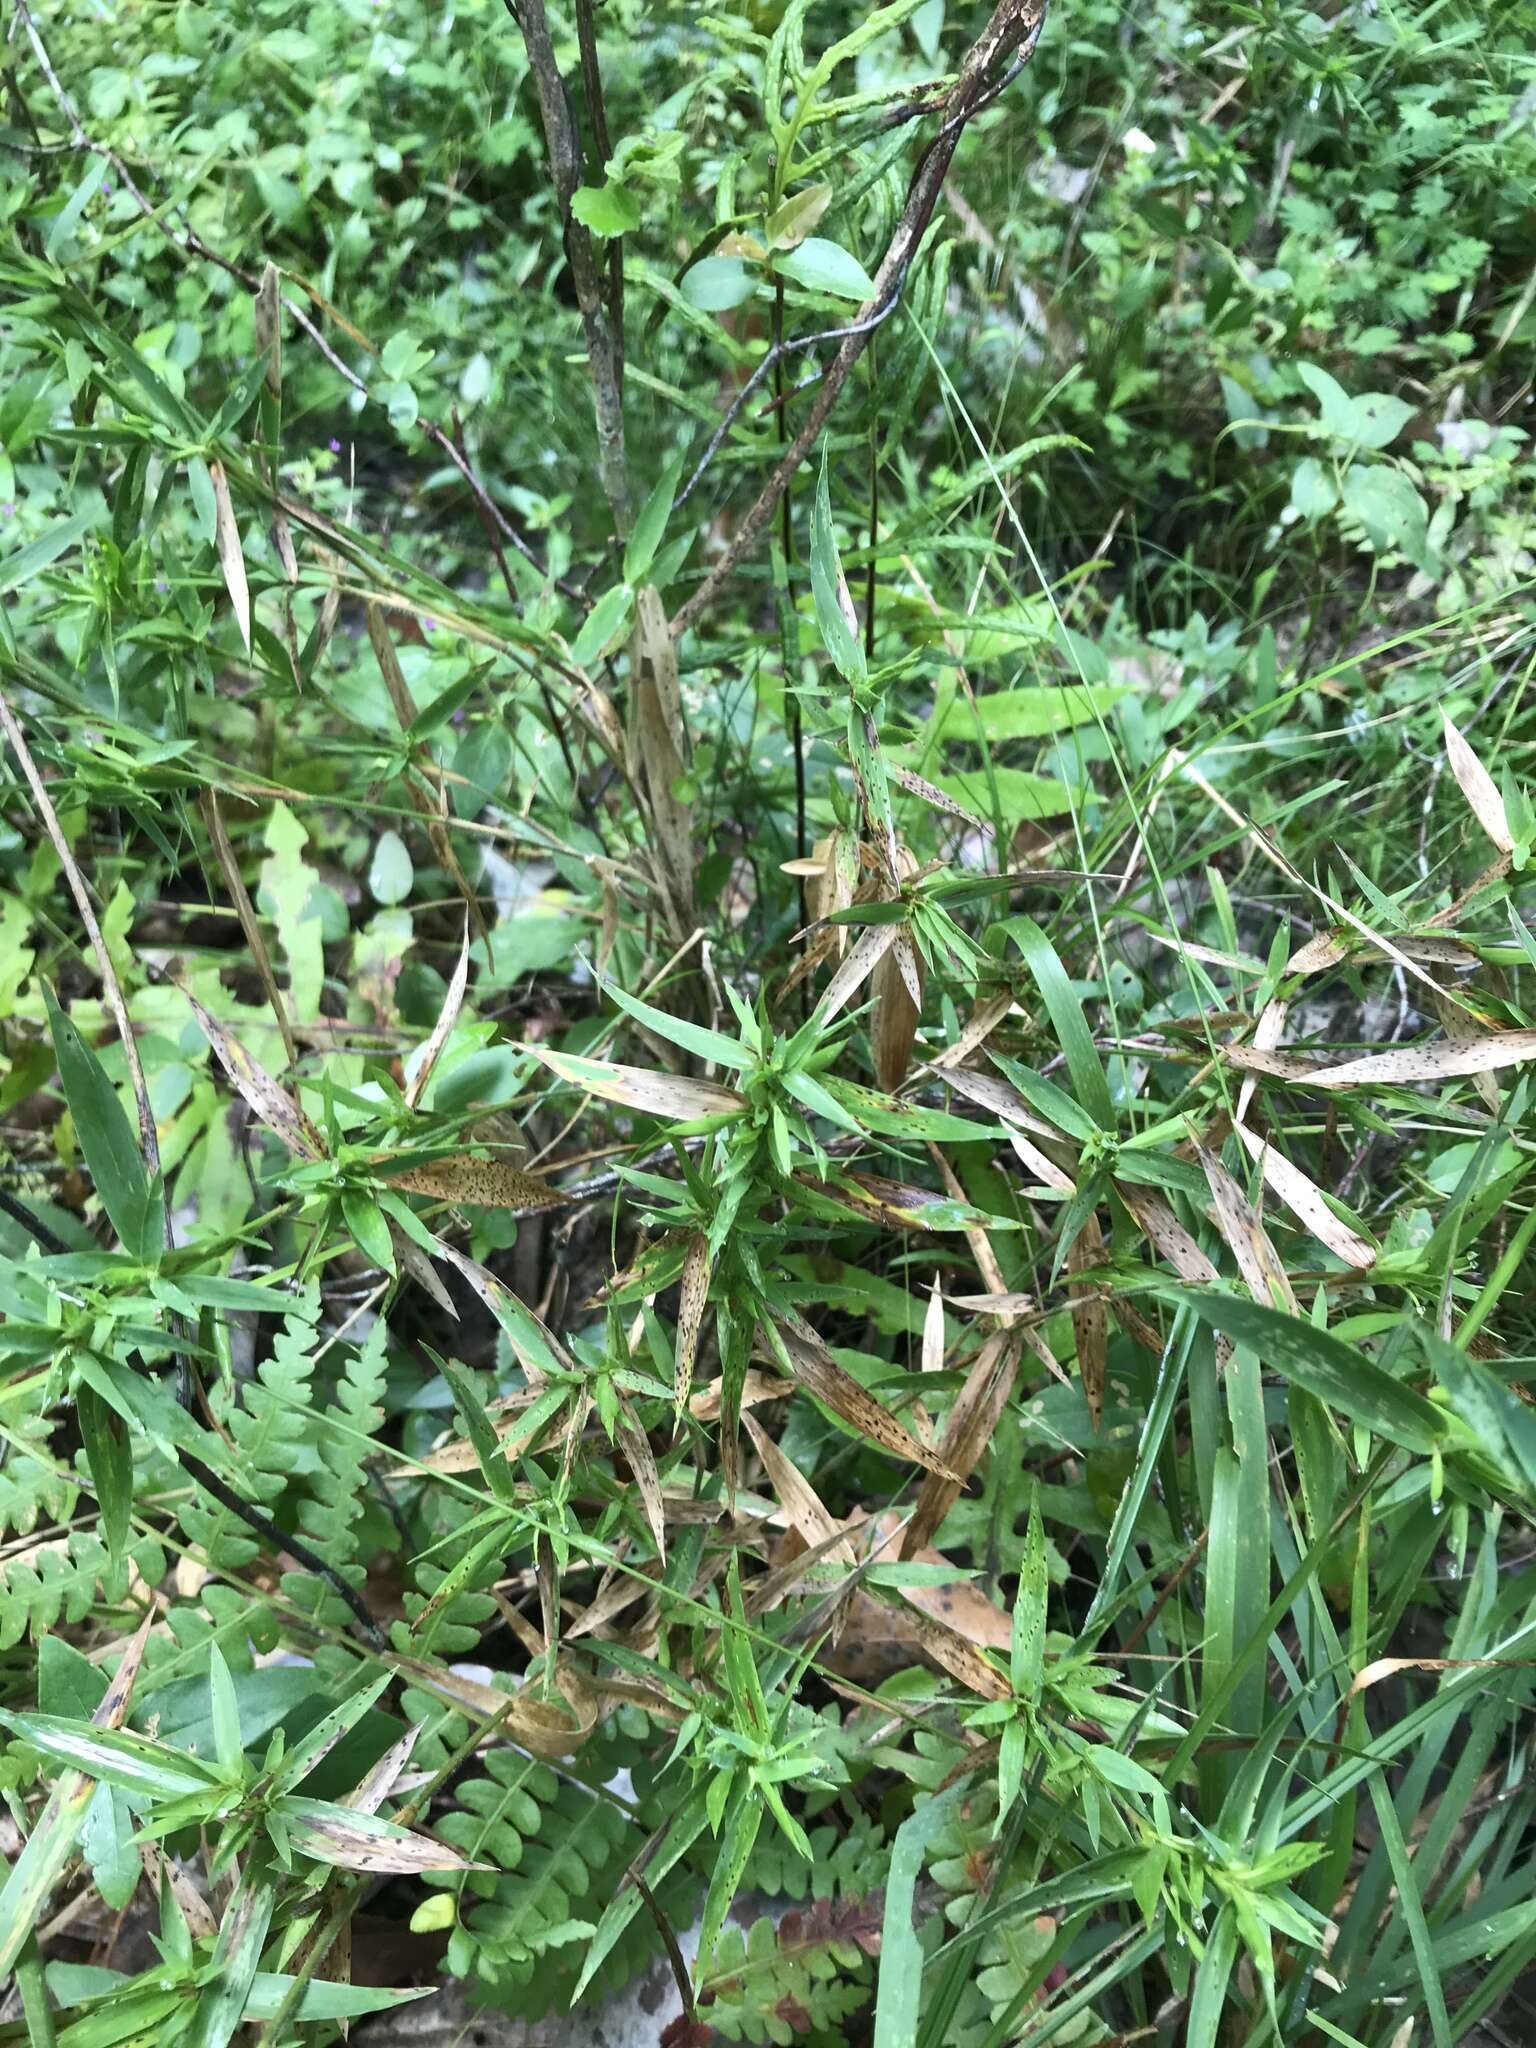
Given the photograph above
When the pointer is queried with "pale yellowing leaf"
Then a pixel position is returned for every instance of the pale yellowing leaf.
(1305, 1201)
(856, 966)
(363, 1842)
(447, 1017)
(1478, 787)
(1439, 1062)
(643, 1088)
(275, 1107)
(231, 560)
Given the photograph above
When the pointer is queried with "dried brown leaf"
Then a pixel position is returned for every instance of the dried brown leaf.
(977, 1029)
(813, 1365)
(370, 1795)
(276, 1108)
(1439, 1062)
(873, 943)
(991, 1091)
(636, 1447)
(808, 1517)
(485, 1183)
(693, 1294)
(366, 1843)
(967, 1432)
(1090, 1333)
(1261, 1266)
(898, 993)
(660, 745)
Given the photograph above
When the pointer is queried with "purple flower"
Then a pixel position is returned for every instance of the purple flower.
(7, 510)
(335, 446)
(106, 184)
(429, 625)
(161, 584)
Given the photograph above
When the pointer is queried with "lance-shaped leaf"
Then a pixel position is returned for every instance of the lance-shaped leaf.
(447, 1017)
(807, 1359)
(50, 1844)
(351, 1840)
(1305, 1200)
(643, 1088)
(1478, 787)
(485, 1183)
(274, 1105)
(693, 1295)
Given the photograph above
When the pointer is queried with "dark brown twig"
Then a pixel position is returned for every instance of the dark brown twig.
(565, 163)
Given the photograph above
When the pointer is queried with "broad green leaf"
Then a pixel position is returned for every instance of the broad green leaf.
(390, 872)
(829, 591)
(827, 267)
(1029, 713)
(604, 623)
(793, 221)
(607, 209)
(719, 283)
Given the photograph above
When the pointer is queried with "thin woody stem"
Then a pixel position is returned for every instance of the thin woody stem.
(565, 162)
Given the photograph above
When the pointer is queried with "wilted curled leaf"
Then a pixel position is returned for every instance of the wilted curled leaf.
(544, 1726)
(643, 1088)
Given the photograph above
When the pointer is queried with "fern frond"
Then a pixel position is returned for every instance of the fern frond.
(66, 1577)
